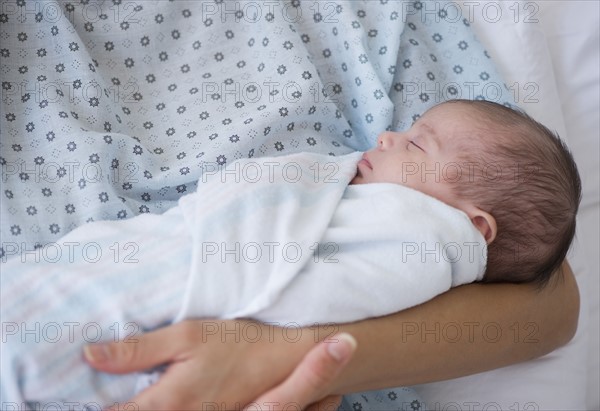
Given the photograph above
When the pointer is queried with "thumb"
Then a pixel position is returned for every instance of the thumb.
(134, 354)
(313, 377)
(331, 403)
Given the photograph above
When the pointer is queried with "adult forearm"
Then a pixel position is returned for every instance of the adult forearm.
(467, 330)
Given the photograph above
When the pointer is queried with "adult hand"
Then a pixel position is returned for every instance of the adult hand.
(311, 380)
(210, 367)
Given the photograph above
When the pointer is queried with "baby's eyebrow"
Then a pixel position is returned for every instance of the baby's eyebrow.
(431, 131)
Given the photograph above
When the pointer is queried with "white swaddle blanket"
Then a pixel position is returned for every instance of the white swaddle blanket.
(276, 239)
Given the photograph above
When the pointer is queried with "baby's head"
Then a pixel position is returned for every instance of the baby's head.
(514, 178)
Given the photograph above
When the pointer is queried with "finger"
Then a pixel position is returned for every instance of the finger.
(331, 403)
(141, 352)
(159, 396)
(312, 379)
(170, 392)
(127, 406)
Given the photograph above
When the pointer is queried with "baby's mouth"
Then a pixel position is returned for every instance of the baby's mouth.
(366, 160)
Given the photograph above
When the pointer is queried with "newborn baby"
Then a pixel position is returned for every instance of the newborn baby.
(388, 229)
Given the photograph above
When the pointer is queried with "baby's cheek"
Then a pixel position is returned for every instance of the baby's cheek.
(452, 173)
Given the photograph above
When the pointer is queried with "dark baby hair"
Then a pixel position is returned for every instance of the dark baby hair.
(524, 175)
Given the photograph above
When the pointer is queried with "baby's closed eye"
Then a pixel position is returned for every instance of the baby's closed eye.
(418, 145)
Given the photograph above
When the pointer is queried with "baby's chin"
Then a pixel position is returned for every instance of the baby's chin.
(358, 179)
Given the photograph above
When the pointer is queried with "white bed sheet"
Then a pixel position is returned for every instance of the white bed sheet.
(573, 39)
(548, 52)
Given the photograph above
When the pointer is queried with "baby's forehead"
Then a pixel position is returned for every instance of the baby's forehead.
(459, 123)
(459, 113)
(446, 117)
(450, 108)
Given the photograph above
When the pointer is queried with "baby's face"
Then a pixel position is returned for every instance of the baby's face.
(424, 157)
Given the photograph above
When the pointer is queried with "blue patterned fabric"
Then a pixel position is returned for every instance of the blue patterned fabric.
(393, 399)
(114, 108)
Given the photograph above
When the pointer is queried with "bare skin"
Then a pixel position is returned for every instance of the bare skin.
(232, 369)
(546, 320)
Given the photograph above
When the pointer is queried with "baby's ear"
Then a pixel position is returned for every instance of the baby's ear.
(485, 223)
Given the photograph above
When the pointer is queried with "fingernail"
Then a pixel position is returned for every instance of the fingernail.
(343, 349)
(97, 352)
